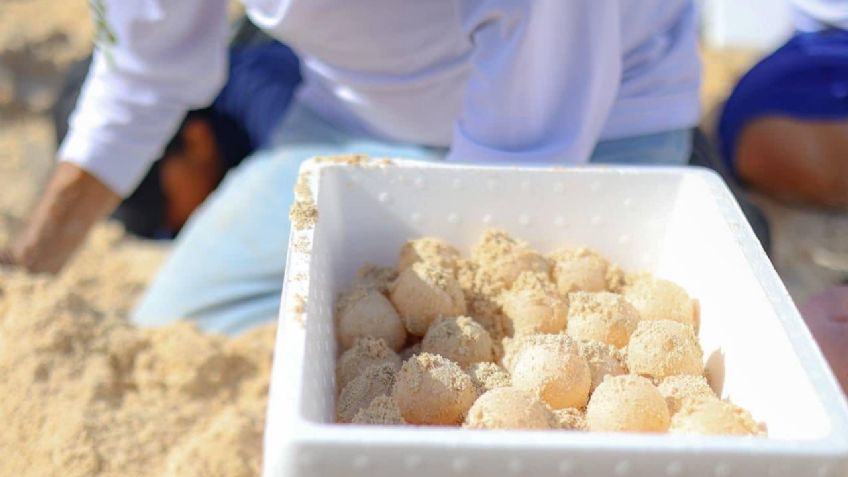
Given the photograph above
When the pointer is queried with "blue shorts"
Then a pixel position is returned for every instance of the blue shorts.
(226, 269)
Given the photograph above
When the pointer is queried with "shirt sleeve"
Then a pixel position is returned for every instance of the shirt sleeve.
(519, 105)
(169, 56)
(815, 15)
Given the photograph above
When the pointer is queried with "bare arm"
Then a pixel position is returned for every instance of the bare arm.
(72, 203)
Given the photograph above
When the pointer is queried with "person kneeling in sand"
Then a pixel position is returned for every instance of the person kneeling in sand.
(525, 82)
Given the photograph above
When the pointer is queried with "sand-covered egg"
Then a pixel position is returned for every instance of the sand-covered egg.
(534, 306)
(627, 403)
(459, 339)
(570, 419)
(509, 408)
(658, 299)
(505, 258)
(376, 381)
(713, 417)
(583, 269)
(664, 348)
(556, 373)
(488, 376)
(365, 352)
(424, 292)
(431, 389)
(383, 411)
(514, 346)
(430, 250)
(603, 316)
(368, 313)
(603, 360)
(684, 388)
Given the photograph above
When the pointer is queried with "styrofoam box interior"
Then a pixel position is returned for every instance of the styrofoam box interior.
(679, 223)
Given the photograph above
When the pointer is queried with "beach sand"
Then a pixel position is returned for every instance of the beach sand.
(82, 391)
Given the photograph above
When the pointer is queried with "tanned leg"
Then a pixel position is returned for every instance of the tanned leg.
(796, 160)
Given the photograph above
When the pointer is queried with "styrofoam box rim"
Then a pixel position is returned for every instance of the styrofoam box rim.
(291, 440)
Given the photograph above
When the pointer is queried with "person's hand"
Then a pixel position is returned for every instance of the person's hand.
(72, 203)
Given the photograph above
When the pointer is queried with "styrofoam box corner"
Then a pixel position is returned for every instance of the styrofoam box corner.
(679, 223)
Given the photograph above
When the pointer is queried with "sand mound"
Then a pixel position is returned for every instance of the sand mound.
(82, 392)
(86, 393)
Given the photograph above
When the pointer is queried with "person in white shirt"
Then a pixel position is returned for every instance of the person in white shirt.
(485, 81)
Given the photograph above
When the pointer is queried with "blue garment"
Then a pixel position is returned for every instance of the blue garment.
(806, 78)
(226, 269)
(262, 80)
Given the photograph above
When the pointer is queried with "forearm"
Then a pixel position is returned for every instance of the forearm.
(72, 203)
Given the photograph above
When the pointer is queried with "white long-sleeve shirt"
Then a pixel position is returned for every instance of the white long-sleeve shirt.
(815, 15)
(530, 81)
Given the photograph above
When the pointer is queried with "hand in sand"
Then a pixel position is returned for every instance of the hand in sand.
(72, 203)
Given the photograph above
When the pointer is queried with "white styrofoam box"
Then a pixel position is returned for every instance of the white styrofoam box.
(680, 223)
